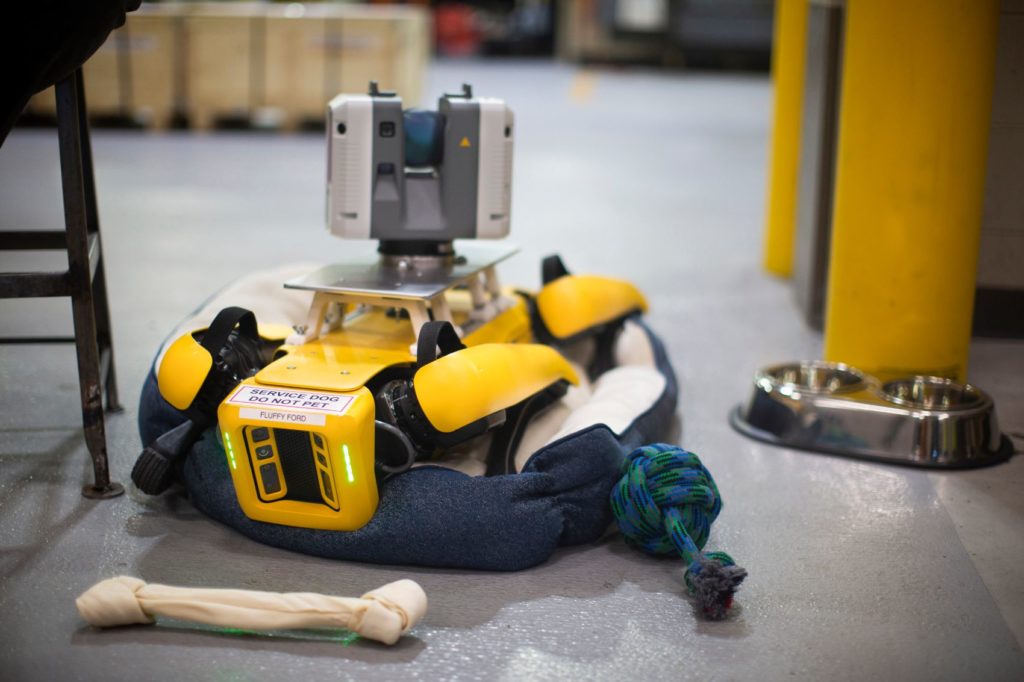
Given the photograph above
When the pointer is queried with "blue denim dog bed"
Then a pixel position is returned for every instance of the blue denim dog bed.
(434, 515)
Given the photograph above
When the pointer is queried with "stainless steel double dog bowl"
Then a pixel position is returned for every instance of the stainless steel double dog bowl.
(834, 408)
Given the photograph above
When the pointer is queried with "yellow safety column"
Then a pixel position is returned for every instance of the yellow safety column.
(788, 48)
(913, 138)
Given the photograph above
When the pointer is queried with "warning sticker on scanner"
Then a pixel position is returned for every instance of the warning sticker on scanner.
(317, 402)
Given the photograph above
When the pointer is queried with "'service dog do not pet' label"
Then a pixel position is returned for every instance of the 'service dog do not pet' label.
(270, 401)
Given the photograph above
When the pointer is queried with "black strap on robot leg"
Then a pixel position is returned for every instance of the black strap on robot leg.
(216, 335)
(403, 433)
(604, 349)
(157, 465)
(551, 268)
(436, 335)
(501, 455)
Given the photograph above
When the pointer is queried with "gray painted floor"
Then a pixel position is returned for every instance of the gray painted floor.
(857, 570)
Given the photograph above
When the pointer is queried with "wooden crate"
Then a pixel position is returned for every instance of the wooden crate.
(294, 66)
(135, 73)
(252, 61)
(157, 66)
(361, 50)
(388, 50)
(415, 34)
(332, 49)
(107, 74)
(223, 56)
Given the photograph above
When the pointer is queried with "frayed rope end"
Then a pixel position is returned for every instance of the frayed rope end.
(713, 581)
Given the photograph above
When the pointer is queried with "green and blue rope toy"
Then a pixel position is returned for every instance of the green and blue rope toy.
(665, 503)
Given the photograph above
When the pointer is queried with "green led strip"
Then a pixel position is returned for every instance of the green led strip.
(348, 463)
(230, 450)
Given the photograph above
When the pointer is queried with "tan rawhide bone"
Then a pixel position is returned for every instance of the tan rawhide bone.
(384, 614)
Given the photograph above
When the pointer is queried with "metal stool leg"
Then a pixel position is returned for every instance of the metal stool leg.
(104, 340)
(84, 254)
(101, 309)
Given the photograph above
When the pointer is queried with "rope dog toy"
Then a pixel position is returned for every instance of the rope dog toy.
(384, 614)
(665, 503)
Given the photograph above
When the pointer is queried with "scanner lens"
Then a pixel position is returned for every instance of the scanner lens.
(424, 137)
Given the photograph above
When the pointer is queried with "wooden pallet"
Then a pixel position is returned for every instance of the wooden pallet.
(266, 64)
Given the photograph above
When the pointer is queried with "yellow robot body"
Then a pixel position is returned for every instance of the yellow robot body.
(317, 466)
(300, 436)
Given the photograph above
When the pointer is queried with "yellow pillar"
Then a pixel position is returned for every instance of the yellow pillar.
(789, 45)
(913, 139)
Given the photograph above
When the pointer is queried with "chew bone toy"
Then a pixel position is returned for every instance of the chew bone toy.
(384, 614)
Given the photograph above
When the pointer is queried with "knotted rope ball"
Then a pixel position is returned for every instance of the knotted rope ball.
(665, 503)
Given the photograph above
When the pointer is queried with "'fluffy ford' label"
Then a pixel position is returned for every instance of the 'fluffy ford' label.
(306, 418)
(317, 402)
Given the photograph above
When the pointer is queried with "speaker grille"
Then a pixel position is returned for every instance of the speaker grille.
(300, 475)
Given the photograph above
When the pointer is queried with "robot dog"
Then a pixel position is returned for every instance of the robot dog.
(403, 358)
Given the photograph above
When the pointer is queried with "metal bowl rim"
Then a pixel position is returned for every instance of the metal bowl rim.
(765, 373)
(886, 395)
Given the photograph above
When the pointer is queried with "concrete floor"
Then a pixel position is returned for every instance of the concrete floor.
(857, 570)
